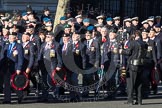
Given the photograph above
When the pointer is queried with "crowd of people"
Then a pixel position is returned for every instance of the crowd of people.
(129, 55)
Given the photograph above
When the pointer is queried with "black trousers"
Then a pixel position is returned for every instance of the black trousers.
(8, 71)
(1, 81)
(134, 84)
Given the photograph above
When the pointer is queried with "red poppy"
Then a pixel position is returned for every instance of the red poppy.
(52, 46)
(14, 48)
(27, 46)
(33, 39)
(112, 46)
(92, 45)
(103, 40)
(126, 47)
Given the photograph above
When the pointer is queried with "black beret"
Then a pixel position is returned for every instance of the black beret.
(66, 35)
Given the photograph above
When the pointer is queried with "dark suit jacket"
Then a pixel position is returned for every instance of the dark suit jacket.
(28, 56)
(158, 44)
(108, 54)
(17, 60)
(92, 53)
(55, 61)
(79, 58)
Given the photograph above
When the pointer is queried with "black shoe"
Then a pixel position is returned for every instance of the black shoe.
(19, 101)
(6, 102)
(128, 103)
(74, 100)
(43, 100)
(1, 91)
(138, 103)
(155, 91)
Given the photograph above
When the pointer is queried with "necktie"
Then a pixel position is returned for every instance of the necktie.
(10, 49)
(88, 44)
(65, 45)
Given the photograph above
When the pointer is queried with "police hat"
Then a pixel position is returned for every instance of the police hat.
(78, 16)
(116, 18)
(144, 22)
(151, 18)
(127, 19)
(158, 17)
(100, 17)
(135, 18)
(19, 82)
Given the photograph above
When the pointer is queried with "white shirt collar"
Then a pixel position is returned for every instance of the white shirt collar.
(25, 43)
(152, 38)
(112, 40)
(145, 40)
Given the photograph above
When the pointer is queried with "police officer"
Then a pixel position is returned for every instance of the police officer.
(12, 56)
(136, 52)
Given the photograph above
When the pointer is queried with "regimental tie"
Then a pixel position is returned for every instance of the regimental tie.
(88, 44)
(64, 48)
(9, 50)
